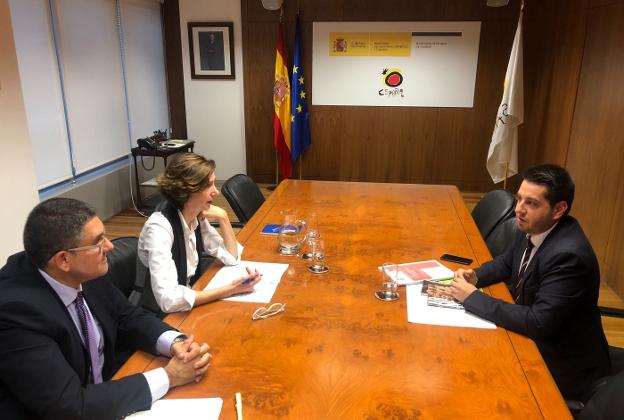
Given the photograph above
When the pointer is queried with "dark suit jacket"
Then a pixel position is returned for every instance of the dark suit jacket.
(44, 369)
(558, 308)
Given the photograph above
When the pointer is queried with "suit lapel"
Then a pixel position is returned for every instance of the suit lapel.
(79, 361)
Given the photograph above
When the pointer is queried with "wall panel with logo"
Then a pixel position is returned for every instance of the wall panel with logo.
(443, 145)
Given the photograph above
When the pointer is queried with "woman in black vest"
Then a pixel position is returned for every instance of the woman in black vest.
(178, 233)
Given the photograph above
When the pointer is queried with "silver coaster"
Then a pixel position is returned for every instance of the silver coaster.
(386, 295)
(288, 250)
(318, 269)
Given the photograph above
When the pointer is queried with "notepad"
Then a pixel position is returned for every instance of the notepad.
(263, 290)
(182, 408)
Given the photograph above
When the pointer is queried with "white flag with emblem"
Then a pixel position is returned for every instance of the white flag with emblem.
(504, 145)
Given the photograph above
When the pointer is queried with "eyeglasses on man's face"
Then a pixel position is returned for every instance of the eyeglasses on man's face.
(262, 312)
(99, 246)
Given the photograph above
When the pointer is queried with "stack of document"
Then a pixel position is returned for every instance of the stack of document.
(416, 272)
(420, 311)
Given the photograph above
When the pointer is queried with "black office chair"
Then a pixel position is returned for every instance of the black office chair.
(122, 263)
(502, 235)
(243, 195)
(606, 403)
(492, 209)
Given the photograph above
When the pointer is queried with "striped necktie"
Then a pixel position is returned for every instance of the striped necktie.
(523, 267)
(87, 327)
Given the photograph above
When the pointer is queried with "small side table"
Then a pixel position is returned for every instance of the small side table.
(163, 152)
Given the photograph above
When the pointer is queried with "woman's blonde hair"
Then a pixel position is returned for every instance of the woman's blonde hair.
(186, 174)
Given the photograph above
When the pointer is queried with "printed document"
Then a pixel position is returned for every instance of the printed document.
(183, 408)
(263, 291)
(419, 312)
(416, 272)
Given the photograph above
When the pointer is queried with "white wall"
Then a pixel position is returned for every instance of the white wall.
(215, 108)
(18, 183)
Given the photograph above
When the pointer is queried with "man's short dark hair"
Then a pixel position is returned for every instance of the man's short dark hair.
(54, 225)
(558, 183)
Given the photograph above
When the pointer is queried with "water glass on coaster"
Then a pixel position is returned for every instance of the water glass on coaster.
(389, 285)
(313, 233)
(317, 265)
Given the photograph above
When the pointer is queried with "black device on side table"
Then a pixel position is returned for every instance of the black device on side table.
(163, 149)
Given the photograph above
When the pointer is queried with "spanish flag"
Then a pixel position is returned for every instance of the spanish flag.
(281, 103)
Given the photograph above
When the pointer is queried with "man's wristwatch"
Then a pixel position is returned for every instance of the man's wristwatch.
(178, 339)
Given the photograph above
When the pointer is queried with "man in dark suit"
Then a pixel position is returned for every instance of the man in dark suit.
(61, 320)
(553, 276)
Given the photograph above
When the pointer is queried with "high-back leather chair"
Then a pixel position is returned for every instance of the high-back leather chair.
(243, 195)
(122, 263)
(502, 236)
(605, 402)
(492, 209)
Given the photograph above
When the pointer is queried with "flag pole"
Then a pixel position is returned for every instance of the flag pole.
(506, 172)
(507, 164)
(300, 166)
(276, 168)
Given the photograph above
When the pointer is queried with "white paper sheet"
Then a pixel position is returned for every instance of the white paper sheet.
(263, 290)
(183, 408)
(420, 313)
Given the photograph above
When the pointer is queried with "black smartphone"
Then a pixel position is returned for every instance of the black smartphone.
(456, 259)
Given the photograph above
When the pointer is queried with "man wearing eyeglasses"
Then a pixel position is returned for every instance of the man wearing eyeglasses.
(61, 321)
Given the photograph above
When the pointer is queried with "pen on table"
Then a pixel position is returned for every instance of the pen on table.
(239, 406)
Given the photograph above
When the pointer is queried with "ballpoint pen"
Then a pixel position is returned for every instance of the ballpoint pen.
(249, 280)
(239, 406)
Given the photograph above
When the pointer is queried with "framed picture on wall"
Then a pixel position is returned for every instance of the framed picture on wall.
(211, 48)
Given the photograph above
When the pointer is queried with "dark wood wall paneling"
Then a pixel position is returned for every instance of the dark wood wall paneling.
(573, 60)
(596, 153)
(381, 144)
(173, 62)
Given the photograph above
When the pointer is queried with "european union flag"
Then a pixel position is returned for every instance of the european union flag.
(300, 138)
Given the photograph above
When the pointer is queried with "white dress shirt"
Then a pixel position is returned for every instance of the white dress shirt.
(157, 379)
(537, 241)
(154, 251)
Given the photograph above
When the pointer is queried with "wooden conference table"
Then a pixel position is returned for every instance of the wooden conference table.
(339, 353)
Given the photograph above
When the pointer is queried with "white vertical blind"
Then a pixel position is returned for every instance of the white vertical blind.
(41, 90)
(92, 76)
(145, 66)
(90, 128)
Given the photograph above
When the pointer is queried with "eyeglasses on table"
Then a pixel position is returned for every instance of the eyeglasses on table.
(263, 312)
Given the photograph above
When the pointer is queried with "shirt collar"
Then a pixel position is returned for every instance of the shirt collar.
(66, 293)
(188, 229)
(539, 239)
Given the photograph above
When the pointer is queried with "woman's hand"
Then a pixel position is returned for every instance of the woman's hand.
(246, 284)
(213, 214)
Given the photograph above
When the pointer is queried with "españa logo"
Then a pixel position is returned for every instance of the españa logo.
(392, 79)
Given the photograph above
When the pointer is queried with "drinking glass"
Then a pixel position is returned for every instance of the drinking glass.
(318, 257)
(313, 233)
(389, 285)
